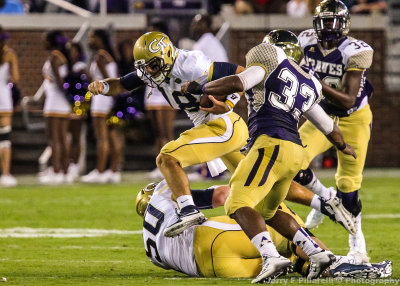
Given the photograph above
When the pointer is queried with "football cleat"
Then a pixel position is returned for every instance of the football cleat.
(189, 216)
(367, 271)
(273, 267)
(335, 210)
(319, 262)
(358, 257)
(314, 219)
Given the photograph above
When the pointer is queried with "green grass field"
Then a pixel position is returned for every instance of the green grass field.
(91, 256)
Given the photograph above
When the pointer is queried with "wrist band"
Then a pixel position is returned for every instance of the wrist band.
(106, 87)
(231, 100)
(229, 104)
(341, 148)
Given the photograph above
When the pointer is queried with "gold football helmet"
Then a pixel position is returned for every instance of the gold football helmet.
(154, 56)
(331, 20)
(287, 41)
(143, 198)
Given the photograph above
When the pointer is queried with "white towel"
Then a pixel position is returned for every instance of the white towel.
(216, 167)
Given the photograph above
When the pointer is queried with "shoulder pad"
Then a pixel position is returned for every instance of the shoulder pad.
(353, 46)
(307, 38)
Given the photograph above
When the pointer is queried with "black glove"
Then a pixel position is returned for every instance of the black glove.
(195, 88)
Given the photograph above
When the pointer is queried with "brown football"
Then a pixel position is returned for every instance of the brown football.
(207, 103)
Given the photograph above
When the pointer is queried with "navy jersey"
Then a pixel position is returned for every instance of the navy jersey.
(330, 66)
(277, 103)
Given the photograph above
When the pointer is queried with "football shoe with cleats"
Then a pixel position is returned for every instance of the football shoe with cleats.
(189, 216)
(344, 268)
(272, 268)
(319, 262)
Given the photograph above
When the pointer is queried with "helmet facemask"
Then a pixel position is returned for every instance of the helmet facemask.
(330, 28)
(154, 56)
(159, 70)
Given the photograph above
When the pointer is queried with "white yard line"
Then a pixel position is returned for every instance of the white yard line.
(27, 232)
(380, 216)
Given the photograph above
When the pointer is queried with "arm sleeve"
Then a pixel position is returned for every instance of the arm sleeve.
(131, 81)
(221, 69)
(251, 76)
(203, 198)
(320, 119)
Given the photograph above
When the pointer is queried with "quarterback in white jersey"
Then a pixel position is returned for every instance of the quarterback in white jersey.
(218, 247)
(160, 65)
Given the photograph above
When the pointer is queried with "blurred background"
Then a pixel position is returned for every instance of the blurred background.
(238, 25)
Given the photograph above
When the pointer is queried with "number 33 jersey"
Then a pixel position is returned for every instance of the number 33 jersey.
(330, 66)
(277, 103)
(167, 252)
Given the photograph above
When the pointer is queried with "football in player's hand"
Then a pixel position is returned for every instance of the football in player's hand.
(207, 103)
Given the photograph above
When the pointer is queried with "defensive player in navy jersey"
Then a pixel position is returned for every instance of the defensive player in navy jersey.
(342, 63)
(279, 92)
(160, 65)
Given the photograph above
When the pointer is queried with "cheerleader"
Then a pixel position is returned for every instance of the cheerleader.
(56, 108)
(109, 141)
(9, 77)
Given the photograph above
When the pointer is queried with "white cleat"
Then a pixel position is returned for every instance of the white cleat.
(338, 213)
(273, 267)
(189, 216)
(319, 262)
(8, 181)
(358, 257)
(314, 219)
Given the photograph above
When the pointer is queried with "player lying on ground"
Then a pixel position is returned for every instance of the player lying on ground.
(218, 247)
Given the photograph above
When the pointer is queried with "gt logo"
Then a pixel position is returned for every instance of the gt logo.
(155, 46)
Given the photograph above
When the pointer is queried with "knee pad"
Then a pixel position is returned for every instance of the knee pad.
(304, 177)
(5, 136)
(351, 201)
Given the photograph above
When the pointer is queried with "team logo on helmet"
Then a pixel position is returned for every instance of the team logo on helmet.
(157, 45)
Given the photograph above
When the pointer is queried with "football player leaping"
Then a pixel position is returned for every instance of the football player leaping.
(160, 65)
(341, 62)
(218, 248)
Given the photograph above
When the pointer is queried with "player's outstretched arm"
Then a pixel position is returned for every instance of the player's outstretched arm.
(327, 126)
(109, 86)
(336, 137)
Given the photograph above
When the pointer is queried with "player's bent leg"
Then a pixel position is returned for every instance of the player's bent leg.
(178, 182)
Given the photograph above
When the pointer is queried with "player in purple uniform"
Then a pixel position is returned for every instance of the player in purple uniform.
(279, 92)
(342, 63)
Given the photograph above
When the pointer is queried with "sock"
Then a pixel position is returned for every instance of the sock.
(316, 203)
(318, 188)
(186, 200)
(351, 201)
(357, 241)
(264, 244)
(309, 246)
